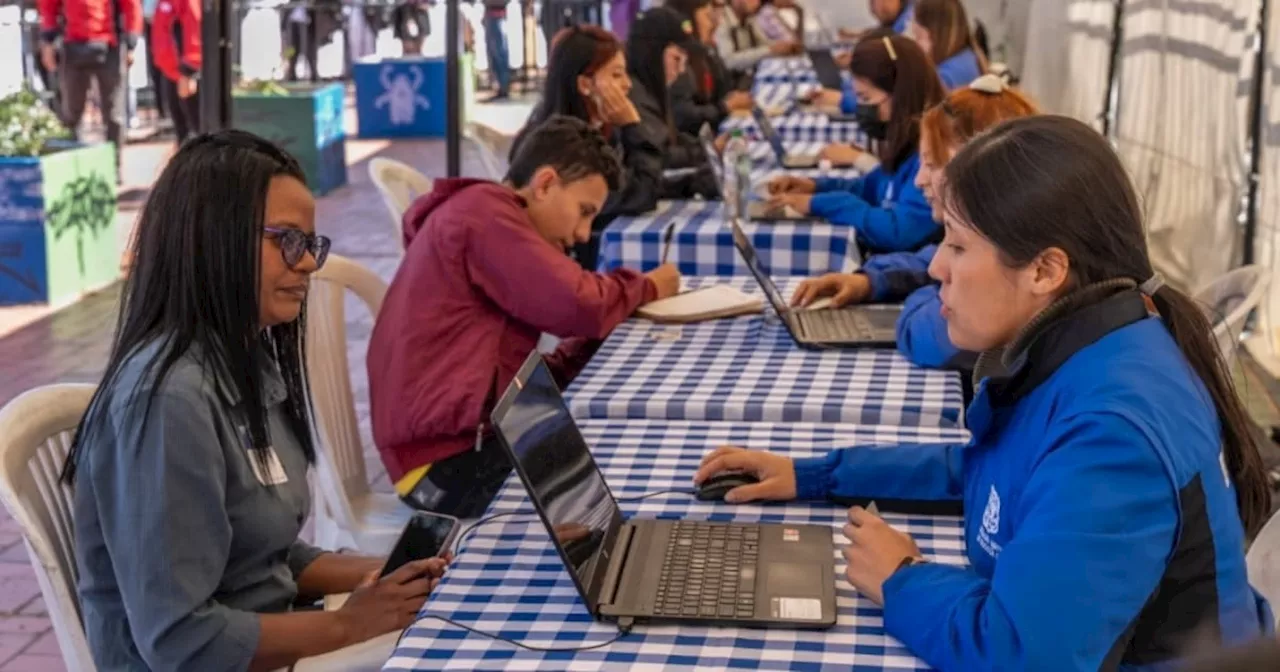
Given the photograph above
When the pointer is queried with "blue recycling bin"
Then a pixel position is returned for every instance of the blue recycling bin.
(405, 97)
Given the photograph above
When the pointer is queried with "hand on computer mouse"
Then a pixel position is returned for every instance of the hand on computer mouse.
(777, 474)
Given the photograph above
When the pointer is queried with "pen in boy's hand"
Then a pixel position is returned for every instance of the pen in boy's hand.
(666, 245)
(872, 509)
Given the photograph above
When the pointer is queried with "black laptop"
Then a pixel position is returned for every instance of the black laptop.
(774, 139)
(865, 326)
(824, 66)
(656, 571)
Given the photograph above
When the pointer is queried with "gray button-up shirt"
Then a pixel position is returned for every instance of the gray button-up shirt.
(179, 541)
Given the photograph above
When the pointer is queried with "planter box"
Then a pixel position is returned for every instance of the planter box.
(406, 97)
(58, 235)
(307, 123)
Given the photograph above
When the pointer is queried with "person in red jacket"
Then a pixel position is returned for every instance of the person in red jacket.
(175, 42)
(484, 275)
(92, 34)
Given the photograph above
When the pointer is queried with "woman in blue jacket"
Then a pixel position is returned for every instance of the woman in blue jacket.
(895, 85)
(1110, 479)
(941, 28)
(904, 276)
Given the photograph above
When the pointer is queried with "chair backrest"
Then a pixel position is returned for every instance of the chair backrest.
(1229, 300)
(36, 431)
(1263, 562)
(399, 185)
(493, 145)
(340, 470)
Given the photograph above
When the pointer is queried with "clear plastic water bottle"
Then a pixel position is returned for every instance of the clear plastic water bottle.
(737, 174)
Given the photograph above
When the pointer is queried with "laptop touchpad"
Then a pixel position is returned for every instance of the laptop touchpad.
(793, 579)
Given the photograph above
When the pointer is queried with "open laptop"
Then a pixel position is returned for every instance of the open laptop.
(824, 65)
(774, 139)
(756, 209)
(649, 570)
(865, 326)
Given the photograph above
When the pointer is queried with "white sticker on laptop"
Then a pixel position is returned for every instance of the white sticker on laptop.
(796, 608)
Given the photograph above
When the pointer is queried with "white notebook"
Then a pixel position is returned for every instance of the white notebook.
(708, 303)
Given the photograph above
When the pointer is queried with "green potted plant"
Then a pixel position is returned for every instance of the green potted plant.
(305, 119)
(57, 208)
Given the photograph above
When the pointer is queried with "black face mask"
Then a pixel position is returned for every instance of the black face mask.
(868, 117)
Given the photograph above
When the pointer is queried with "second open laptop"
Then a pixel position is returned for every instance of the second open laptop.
(774, 139)
(756, 210)
(649, 570)
(864, 326)
(824, 66)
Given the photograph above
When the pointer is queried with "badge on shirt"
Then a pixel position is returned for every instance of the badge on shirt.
(274, 474)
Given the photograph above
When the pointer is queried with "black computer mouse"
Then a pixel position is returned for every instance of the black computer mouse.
(713, 489)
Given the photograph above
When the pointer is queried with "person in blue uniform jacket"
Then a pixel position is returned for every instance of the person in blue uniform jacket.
(895, 84)
(1110, 481)
(904, 276)
(941, 28)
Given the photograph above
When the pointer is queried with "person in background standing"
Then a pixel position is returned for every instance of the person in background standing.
(153, 73)
(495, 42)
(411, 24)
(175, 44)
(92, 34)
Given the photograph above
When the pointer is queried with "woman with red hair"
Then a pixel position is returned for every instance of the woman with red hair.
(587, 79)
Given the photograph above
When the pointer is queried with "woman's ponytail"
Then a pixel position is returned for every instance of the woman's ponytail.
(1193, 333)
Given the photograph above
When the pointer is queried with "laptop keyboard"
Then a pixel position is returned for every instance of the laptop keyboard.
(709, 571)
(835, 326)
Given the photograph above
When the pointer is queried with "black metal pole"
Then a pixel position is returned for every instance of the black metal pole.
(453, 90)
(1257, 131)
(216, 75)
(1111, 99)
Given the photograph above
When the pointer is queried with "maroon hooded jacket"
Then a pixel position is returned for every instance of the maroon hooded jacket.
(475, 290)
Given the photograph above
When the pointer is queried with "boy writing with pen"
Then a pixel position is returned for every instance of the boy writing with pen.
(484, 275)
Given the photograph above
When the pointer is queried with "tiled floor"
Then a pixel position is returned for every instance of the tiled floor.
(71, 345)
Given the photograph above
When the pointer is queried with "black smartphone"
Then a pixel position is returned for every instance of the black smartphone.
(426, 535)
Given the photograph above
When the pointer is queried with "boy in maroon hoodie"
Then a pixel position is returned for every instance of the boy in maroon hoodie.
(484, 275)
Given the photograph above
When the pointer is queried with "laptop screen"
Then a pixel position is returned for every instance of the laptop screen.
(748, 252)
(714, 160)
(770, 133)
(557, 469)
(824, 66)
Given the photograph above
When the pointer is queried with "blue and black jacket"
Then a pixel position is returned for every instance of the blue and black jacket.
(1101, 527)
(888, 210)
(921, 331)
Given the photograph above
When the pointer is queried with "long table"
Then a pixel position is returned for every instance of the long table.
(749, 369)
(508, 580)
(701, 244)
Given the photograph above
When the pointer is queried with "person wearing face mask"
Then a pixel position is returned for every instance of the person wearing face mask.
(1110, 482)
(587, 79)
(190, 466)
(895, 85)
(740, 42)
(704, 94)
(483, 276)
(889, 278)
(941, 28)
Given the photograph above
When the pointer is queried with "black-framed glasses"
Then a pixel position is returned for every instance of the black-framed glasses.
(295, 244)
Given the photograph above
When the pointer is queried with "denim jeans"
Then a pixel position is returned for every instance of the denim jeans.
(495, 38)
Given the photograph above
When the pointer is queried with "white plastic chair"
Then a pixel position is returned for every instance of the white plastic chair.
(1263, 562)
(348, 511)
(399, 185)
(1229, 300)
(36, 431)
(492, 145)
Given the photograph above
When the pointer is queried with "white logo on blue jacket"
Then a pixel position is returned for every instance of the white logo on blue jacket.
(990, 524)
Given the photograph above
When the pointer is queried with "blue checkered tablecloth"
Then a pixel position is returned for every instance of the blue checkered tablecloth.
(749, 368)
(785, 70)
(795, 126)
(702, 243)
(507, 578)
